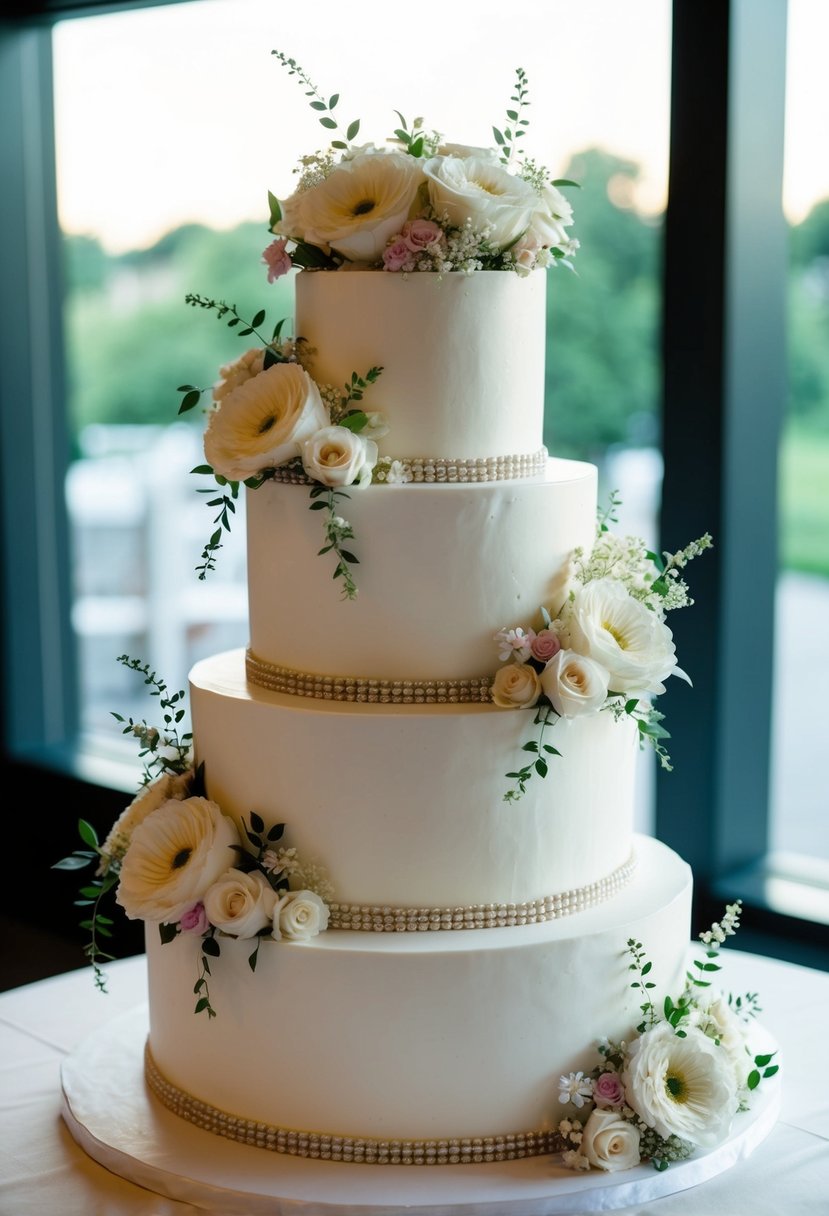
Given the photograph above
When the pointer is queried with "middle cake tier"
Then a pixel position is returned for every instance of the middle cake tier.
(441, 569)
(402, 806)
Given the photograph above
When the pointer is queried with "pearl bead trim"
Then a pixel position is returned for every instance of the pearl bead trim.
(362, 1150)
(480, 916)
(439, 470)
(363, 689)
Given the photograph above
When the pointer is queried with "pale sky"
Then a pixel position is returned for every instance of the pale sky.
(181, 113)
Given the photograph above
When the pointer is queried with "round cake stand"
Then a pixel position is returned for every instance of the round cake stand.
(117, 1121)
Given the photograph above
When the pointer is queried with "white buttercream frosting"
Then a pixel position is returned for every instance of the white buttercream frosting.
(417, 1035)
(462, 355)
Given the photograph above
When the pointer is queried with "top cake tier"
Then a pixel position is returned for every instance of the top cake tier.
(462, 356)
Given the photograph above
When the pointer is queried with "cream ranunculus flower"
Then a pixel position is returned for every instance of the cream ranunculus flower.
(149, 799)
(552, 218)
(261, 423)
(336, 456)
(624, 635)
(356, 209)
(299, 916)
(681, 1086)
(175, 856)
(610, 1142)
(516, 686)
(482, 191)
(240, 903)
(575, 684)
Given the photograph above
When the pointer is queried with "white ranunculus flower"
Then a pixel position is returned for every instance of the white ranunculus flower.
(336, 456)
(574, 683)
(240, 903)
(624, 635)
(261, 423)
(357, 207)
(681, 1086)
(716, 1019)
(516, 686)
(610, 1142)
(149, 799)
(483, 192)
(175, 856)
(299, 916)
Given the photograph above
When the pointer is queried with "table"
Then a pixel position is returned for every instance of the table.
(43, 1172)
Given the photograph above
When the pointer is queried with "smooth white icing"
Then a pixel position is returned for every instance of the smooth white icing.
(462, 355)
(403, 805)
(417, 1035)
(441, 569)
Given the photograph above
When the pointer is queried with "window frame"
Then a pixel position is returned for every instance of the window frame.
(724, 388)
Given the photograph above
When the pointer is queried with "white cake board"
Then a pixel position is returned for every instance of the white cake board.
(116, 1120)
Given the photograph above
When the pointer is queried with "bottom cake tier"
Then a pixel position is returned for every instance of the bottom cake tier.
(420, 1040)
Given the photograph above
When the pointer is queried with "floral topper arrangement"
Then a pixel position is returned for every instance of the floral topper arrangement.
(418, 202)
(677, 1085)
(603, 646)
(173, 858)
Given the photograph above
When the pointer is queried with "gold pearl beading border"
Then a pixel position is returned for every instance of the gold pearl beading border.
(384, 919)
(365, 690)
(440, 470)
(361, 1150)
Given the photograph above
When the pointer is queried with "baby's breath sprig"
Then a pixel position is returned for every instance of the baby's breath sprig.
(514, 129)
(323, 107)
(713, 938)
(642, 966)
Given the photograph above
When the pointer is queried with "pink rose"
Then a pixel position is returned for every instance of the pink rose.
(608, 1090)
(396, 255)
(420, 234)
(195, 920)
(545, 645)
(277, 259)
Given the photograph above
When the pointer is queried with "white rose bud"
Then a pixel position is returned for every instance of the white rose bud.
(575, 684)
(240, 903)
(516, 686)
(610, 1142)
(299, 916)
(336, 456)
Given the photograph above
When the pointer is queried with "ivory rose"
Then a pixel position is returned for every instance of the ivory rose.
(575, 684)
(336, 456)
(299, 916)
(681, 1086)
(516, 686)
(626, 637)
(358, 207)
(240, 903)
(175, 856)
(261, 423)
(610, 1142)
(482, 191)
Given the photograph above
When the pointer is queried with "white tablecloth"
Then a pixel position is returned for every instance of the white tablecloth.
(43, 1172)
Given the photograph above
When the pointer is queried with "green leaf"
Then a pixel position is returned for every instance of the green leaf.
(328, 123)
(189, 400)
(87, 833)
(318, 105)
(257, 822)
(210, 946)
(275, 209)
(753, 1079)
(167, 933)
(201, 1005)
(258, 319)
(332, 100)
(353, 128)
(762, 1061)
(769, 1072)
(541, 767)
(499, 139)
